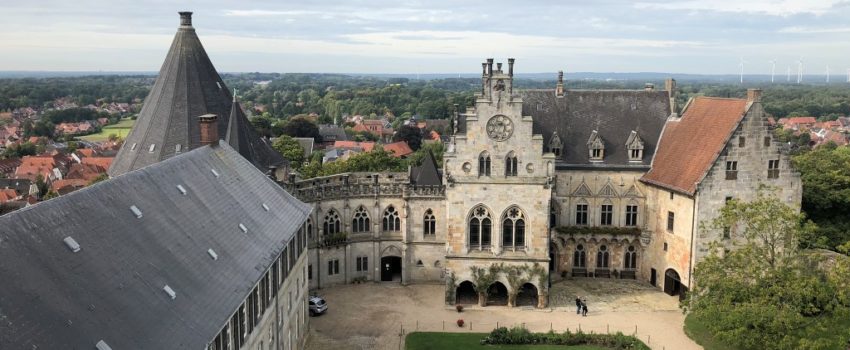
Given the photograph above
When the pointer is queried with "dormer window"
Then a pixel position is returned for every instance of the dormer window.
(634, 144)
(555, 144)
(596, 147)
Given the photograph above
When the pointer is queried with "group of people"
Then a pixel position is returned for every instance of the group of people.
(581, 306)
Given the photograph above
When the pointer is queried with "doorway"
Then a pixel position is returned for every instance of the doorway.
(391, 268)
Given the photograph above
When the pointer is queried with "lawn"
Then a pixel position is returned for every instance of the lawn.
(121, 129)
(449, 341)
(697, 331)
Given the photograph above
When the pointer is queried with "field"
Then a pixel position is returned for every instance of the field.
(449, 341)
(121, 129)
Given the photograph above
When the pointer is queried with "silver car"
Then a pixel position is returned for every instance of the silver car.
(318, 306)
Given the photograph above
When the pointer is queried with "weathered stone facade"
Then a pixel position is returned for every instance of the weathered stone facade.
(534, 189)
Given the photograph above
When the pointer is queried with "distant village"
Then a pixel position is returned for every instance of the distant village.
(60, 167)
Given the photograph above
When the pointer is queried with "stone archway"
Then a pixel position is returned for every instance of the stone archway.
(497, 294)
(465, 293)
(527, 296)
(672, 283)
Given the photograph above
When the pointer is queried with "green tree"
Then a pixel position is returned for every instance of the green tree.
(825, 172)
(290, 149)
(766, 293)
(302, 127)
(263, 125)
(410, 134)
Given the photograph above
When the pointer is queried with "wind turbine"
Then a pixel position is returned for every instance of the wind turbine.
(848, 75)
(772, 69)
(800, 70)
(788, 78)
(827, 74)
(742, 69)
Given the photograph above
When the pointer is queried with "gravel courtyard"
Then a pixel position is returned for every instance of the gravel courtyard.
(374, 315)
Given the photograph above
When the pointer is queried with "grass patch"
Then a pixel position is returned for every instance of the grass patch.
(698, 331)
(450, 341)
(121, 129)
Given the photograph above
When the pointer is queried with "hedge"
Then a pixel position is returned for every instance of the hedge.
(521, 336)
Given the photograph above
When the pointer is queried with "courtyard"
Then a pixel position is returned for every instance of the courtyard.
(379, 315)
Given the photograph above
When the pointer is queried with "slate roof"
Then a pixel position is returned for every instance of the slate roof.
(332, 133)
(613, 113)
(691, 144)
(427, 173)
(188, 86)
(112, 289)
(242, 137)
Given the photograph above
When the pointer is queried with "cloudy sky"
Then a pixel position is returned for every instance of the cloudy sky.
(434, 36)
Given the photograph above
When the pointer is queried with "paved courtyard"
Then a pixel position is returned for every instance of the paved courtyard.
(373, 315)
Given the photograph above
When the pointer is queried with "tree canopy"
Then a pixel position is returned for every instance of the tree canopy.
(410, 134)
(302, 127)
(290, 149)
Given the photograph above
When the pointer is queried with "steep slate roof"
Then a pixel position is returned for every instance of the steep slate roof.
(332, 133)
(112, 289)
(427, 173)
(188, 86)
(613, 113)
(241, 136)
(691, 144)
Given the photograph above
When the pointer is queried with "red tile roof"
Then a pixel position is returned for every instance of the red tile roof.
(398, 149)
(85, 171)
(32, 166)
(366, 146)
(690, 145)
(103, 162)
(65, 186)
(7, 194)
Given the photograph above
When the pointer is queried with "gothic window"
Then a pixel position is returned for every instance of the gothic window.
(511, 164)
(579, 257)
(479, 228)
(631, 215)
(484, 164)
(553, 214)
(581, 213)
(391, 219)
(309, 227)
(555, 144)
(773, 169)
(360, 221)
(630, 261)
(430, 223)
(513, 228)
(331, 224)
(635, 146)
(731, 170)
(602, 257)
(596, 146)
(606, 217)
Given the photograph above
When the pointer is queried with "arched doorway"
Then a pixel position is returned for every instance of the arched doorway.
(391, 268)
(465, 293)
(553, 258)
(497, 294)
(527, 295)
(672, 282)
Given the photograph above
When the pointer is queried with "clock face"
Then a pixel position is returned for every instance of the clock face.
(500, 128)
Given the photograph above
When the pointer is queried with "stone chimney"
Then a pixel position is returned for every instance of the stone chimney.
(559, 89)
(490, 67)
(670, 86)
(483, 69)
(185, 18)
(209, 129)
(511, 66)
(753, 95)
(499, 67)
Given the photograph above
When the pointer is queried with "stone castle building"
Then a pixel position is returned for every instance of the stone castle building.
(538, 185)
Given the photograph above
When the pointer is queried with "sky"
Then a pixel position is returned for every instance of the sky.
(434, 36)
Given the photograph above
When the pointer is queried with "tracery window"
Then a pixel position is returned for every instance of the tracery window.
(602, 257)
(360, 221)
(331, 224)
(579, 257)
(511, 164)
(606, 215)
(513, 228)
(484, 164)
(479, 234)
(430, 223)
(630, 261)
(392, 222)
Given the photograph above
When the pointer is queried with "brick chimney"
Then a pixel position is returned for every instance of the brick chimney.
(185, 18)
(559, 88)
(209, 129)
(753, 95)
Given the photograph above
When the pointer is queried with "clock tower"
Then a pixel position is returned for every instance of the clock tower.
(498, 186)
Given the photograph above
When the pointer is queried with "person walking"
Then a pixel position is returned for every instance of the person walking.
(584, 308)
(578, 305)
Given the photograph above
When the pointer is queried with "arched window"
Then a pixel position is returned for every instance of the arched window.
(602, 257)
(360, 221)
(331, 224)
(553, 214)
(630, 261)
(479, 228)
(513, 228)
(391, 219)
(511, 164)
(579, 257)
(484, 164)
(430, 223)
(309, 227)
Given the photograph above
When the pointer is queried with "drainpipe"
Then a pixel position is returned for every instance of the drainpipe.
(693, 243)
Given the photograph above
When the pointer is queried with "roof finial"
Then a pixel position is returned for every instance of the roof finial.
(185, 18)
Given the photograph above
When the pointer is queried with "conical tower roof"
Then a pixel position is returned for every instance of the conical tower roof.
(188, 86)
(241, 136)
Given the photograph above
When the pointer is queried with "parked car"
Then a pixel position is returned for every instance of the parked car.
(318, 306)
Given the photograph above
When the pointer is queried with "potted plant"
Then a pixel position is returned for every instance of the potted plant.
(460, 322)
(459, 308)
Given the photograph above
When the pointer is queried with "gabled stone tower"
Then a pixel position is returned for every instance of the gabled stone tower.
(187, 87)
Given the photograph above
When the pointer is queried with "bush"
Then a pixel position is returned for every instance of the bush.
(459, 308)
(521, 336)
(460, 322)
